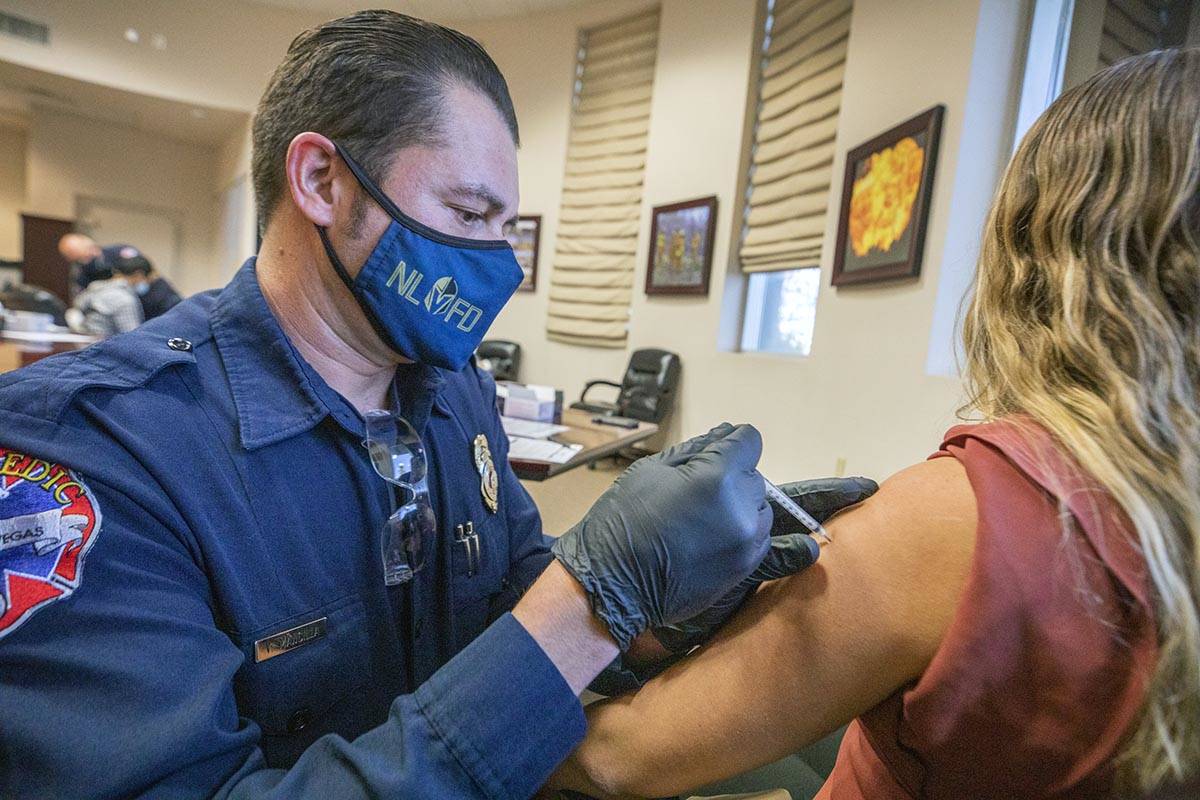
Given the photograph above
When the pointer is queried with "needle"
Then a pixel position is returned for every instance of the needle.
(792, 507)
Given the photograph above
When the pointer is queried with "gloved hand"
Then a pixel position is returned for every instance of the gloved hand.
(674, 533)
(792, 550)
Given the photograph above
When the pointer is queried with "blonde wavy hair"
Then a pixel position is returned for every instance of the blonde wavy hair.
(1086, 318)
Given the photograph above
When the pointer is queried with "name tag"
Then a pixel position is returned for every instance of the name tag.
(279, 643)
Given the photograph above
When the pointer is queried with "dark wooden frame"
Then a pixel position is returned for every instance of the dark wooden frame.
(930, 123)
(537, 246)
(706, 274)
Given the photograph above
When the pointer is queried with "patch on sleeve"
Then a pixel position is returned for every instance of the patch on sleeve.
(48, 522)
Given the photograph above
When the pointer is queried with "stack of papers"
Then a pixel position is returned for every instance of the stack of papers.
(530, 429)
(541, 450)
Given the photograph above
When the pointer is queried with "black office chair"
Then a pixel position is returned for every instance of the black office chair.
(501, 358)
(646, 393)
(23, 297)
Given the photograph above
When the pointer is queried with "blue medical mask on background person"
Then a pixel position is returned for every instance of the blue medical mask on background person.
(430, 296)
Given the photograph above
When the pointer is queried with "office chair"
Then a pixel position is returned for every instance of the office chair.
(501, 358)
(646, 393)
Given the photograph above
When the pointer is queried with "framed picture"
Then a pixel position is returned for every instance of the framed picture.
(525, 237)
(885, 203)
(681, 244)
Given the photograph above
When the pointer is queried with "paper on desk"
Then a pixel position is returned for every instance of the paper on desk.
(532, 391)
(56, 335)
(541, 450)
(530, 429)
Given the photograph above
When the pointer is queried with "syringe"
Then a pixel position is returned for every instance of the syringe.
(792, 507)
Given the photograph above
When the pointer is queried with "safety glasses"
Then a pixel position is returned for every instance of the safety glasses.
(399, 458)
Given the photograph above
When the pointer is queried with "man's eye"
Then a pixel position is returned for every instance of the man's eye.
(468, 217)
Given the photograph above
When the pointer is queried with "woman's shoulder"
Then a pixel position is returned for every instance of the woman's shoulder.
(1024, 478)
(1041, 671)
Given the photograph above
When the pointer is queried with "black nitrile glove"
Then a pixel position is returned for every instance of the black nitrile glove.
(822, 498)
(792, 550)
(673, 534)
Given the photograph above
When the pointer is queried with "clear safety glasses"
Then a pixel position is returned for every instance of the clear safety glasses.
(399, 458)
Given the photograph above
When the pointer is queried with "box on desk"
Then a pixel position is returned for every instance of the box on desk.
(529, 401)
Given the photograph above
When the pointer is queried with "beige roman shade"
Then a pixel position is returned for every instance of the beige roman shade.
(1137, 26)
(791, 163)
(592, 278)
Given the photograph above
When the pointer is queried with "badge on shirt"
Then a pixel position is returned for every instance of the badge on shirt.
(489, 481)
(49, 519)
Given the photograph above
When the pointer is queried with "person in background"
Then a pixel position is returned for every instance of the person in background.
(1018, 617)
(156, 294)
(89, 261)
(106, 307)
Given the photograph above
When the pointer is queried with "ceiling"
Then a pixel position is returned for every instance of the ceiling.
(440, 10)
(22, 90)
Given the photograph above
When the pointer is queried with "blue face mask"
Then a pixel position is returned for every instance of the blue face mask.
(430, 296)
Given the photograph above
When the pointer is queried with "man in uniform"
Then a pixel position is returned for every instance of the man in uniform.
(89, 261)
(268, 545)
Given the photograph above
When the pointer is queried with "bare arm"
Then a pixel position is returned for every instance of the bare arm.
(556, 613)
(806, 655)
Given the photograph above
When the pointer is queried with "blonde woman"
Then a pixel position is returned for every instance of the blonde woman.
(1016, 617)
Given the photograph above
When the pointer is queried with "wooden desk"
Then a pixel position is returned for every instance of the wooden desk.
(16, 354)
(598, 442)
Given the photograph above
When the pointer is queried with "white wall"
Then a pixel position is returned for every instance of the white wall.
(219, 52)
(12, 191)
(69, 157)
(236, 224)
(864, 394)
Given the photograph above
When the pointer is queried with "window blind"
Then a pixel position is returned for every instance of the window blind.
(1139, 26)
(791, 164)
(592, 279)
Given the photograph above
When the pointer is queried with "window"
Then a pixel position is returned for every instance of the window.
(781, 311)
(592, 280)
(1069, 40)
(790, 169)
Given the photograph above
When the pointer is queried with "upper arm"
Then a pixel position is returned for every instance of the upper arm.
(807, 653)
(130, 663)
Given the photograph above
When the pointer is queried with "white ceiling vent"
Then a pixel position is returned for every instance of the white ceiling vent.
(24, 29)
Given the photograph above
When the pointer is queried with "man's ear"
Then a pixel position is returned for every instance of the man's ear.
(310, 167)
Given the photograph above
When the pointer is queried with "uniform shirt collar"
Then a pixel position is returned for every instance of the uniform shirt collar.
(271, 392)
(277, 395)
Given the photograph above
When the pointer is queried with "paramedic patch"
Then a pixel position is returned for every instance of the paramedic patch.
(48, 521)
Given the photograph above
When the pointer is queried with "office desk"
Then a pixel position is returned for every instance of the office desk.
(15, 353)
(598, 442)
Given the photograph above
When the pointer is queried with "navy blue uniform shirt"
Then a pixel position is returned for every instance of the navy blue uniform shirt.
(173, 496)
(100, 267)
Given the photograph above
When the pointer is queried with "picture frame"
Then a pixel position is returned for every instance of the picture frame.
(525, 239)
(681, 247)
(886, 193)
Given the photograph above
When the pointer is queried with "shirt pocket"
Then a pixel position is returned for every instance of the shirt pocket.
(294, 695)
(477, 577)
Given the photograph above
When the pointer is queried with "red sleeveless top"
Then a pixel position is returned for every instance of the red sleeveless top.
(1043, 670)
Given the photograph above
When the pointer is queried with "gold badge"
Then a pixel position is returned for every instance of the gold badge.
(489, 481)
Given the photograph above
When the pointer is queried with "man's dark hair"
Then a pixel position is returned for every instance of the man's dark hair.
(374, 82)
(133, 265)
